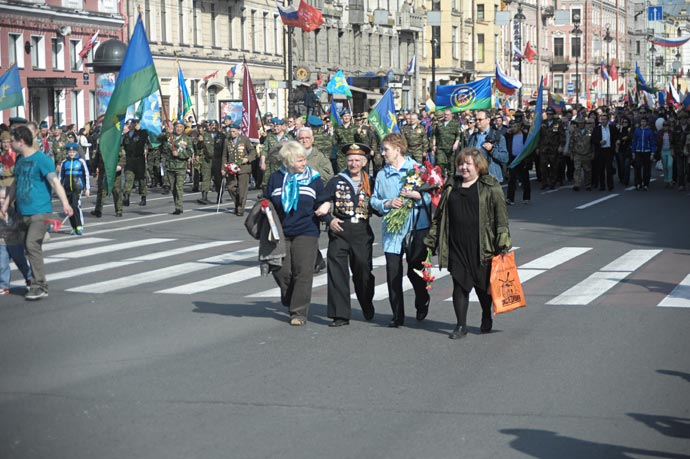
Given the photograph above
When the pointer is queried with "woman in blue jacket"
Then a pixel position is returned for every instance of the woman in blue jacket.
(389, 194)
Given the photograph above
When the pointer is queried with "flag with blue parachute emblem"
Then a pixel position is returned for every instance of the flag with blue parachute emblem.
(338, 85)
(184, 104)
(11, 94)
(532, 140)
(475, 95)
(149, 114)
(334, 115)
(382, 117)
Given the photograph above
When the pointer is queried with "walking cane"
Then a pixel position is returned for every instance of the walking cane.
(220, 194)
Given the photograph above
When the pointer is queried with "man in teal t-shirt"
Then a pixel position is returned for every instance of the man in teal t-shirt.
(35, 175)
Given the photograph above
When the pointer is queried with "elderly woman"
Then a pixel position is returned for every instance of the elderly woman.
(470, 227)
(293, 190)
(350, 237)
(389, 194)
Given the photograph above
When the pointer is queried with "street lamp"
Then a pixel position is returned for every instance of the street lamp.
(434, 44)
(608, 39)
(577, 32)
(519, 18)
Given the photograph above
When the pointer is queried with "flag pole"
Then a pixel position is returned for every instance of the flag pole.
(167, 120)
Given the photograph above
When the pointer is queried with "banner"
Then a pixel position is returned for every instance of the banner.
(475, 95)
(11, 94)
(532, 140)
(382, 117)
(250, 108)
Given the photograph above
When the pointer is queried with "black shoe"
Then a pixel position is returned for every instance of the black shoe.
(320, 267)
(165, 191)
(339, 323)
(368, 313)
(118, 214)
(459, 332)
(143, 201)
(125, 201)
(421, 314)
(177, 212)
(576, 188)
(394, 324)
(97, 213)
(486, 326)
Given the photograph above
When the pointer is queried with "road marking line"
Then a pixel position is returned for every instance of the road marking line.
(604, 280)
(107, 248)
(166, 273)
(381, 290)
(181, 250)
(72, 242)
(679, 297)
(555, 258)
(596, 201)
(88, 270)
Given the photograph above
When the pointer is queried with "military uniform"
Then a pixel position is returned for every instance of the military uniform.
(205, 147)
(58, 148)
(241, 152)
(102, 189)
(580, 149)
(367, 137)
(154, 165)
(134, 146)
(323, 142)
(176, 166)
(343, 135)
(445, 135)
(417, 141)
(551, 139)
(272, 146)
(217, 161)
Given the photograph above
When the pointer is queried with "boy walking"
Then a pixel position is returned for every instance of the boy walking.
(74, 178)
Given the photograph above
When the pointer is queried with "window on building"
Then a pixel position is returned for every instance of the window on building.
(252, 30)
(214, 25)
(243, 29)
(92, 105)
(637, 47)
(454, 39)
(558, 83)
(74, 106)
(164, 22)
(264, 27)
(180, 23)
(147, 16)
(480, 12)
(558, 47)
(277, 33)
(231, 21)
(195, 23)
(74, 59)
(575, 47)
(58, 53)
(38, 52)
(480, 47)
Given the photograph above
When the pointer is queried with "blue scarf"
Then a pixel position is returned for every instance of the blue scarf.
(289, 195)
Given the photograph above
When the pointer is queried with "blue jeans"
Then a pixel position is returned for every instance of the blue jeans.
(16, 253)
(667, 161)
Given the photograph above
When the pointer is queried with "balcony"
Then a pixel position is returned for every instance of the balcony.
(411, 22)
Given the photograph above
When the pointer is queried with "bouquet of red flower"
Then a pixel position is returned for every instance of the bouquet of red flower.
(232, 169)
(423, 179)
(425, 272)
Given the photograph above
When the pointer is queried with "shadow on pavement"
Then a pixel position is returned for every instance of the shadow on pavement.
(680, 374)
(260, 309)
(670, 426)
(544, 444)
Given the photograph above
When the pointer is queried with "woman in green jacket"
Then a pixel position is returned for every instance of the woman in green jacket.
(469, 228)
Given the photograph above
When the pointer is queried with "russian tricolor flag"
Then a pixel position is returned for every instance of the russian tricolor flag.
(411, 66)
(506, 84)
(669, 42)
(604, 72)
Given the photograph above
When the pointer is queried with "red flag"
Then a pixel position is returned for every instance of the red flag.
(613, 70)
(546, 80)
(682, 72)
(211, 75)
(319, 79)
(594, 83)
(250, 108)
(310, 17)
(621, 87)
(90, 43)
(529, 53)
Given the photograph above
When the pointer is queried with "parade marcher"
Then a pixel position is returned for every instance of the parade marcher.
(34, 177)
(101, 183)
(293, 190)
(580, 149)
(74, 178)
(57, 146)
(664, 141)
(366, 136)
(205, 147)
(271, 148)
(643, 144)
(446, 138)
(343, 135)
(551, 138)
(240, 152)
(624, 150)
(217, 162)
(156, 167)
(176, 156)
(515, 144)
(469, 228)
(134, 143)
(604, 139)
(680, 134)
(323, 140)
(389, 194)
(350, 238)
(491, 143)
(417, 140)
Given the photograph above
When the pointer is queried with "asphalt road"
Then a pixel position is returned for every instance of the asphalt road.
(185, 352)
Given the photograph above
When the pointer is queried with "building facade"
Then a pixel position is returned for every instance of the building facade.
(44, 39)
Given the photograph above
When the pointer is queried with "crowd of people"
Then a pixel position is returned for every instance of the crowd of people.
(315, 173)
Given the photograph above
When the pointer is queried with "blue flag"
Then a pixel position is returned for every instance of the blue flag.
(184, 102)
(382, 117)
(533, 136)
(149, 113)
(640, 83)
(11, 94)
(338, 85)
(335, 116)
(475, 95)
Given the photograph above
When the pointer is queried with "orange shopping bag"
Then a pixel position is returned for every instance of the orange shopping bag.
(506, 290)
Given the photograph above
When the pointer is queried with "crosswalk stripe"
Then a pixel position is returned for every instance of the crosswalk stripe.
(74, 242)
(381, 290)
(166, 273)
(679, 297)
(106, 249)
(130, 261)
(604, 280)
(540, 265)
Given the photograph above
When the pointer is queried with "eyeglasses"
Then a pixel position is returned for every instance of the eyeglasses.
(482, 119)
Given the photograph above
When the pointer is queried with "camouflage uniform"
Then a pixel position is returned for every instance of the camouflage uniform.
(343, 136)
(205, 146)
(445, 136)
(323, 141)
(134, 146)
(154, 166)
(240, 152)
(102, 189)
(580, 149)
(417, 141)
(551, 139)
(58, 148)
(176, 166)
(367, 137)
(272, 146)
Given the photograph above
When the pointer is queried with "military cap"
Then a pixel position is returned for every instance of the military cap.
(54, 127)
(235, 125)
(227, 117)
(17, 120)
(277, 121)
(178, 122)
(314, 120)
(71, 146)
(346, 112)
(356, 149)
(550, 110)
(43, 125)
(268, 115)
(212, 121)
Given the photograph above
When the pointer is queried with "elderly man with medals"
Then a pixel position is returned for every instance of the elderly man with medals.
(350, 237)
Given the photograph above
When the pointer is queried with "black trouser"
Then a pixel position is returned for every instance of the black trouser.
(74, 198)
(603, 168)
(520, 172)
(643, 168)
(350, 249)
(296, 275)
(461, 303)
(394, 270)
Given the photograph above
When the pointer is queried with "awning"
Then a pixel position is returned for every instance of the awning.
(51, 82)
